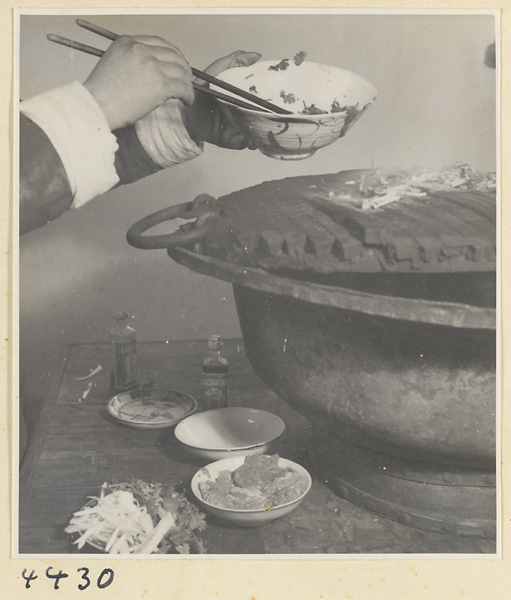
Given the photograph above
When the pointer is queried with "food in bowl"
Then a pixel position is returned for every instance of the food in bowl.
(139, 518)
(260, 486)
(324, 101)
(260, 482)
(151, 408)
(302, 87)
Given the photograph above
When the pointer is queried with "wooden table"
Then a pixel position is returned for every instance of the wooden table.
(77, 446)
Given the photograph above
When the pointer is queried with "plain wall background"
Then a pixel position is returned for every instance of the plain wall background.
(435, 106)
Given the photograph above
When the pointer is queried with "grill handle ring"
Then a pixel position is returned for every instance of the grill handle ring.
(202, 209)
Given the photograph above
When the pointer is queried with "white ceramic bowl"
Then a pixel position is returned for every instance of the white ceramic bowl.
(297, 136)
(225, 432)
(246, 517)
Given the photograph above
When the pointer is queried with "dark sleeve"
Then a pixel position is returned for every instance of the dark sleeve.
(131, 160)
(45, 192)
(44, 187)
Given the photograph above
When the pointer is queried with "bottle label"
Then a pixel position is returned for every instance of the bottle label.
(125, 374)
(215, 391)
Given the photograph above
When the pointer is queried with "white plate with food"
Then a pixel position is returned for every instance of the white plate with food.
(151, 408)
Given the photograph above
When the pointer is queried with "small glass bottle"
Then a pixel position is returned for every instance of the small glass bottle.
(214, 376)
(124, 345)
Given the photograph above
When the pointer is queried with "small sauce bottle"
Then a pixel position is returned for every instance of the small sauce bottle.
(124, 345)
(214, 376)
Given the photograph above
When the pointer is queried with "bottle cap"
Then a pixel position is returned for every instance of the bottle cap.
(215, 342)
(121, 316)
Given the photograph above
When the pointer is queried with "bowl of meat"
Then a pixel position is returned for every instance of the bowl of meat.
(251, 490)
(323, 103)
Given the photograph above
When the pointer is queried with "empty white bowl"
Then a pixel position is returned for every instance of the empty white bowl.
(225, 432)
(311, 86)
(246, 517)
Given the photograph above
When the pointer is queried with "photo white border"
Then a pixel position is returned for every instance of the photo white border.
(14, 329)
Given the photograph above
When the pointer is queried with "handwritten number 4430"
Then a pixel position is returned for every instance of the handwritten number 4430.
(104, 580)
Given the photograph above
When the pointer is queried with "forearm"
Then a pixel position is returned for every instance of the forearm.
(45, 191)
(72, 146)
(68, 155)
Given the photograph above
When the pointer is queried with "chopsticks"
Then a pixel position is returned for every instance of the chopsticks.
(260, 102)
(109, 35)
(63, 41)
(199, 74)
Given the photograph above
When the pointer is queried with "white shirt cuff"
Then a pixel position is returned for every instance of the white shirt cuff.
(164, 136)
(79, 132)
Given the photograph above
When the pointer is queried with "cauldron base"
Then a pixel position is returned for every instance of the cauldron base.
(435, 497)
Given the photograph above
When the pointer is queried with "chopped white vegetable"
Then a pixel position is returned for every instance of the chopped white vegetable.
(97, 370)
(116, 518)
(138, 517)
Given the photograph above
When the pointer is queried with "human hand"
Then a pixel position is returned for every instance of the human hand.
(204, 120)
(136, 75)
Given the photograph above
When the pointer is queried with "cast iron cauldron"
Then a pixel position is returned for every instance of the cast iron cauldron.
(392, 378)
